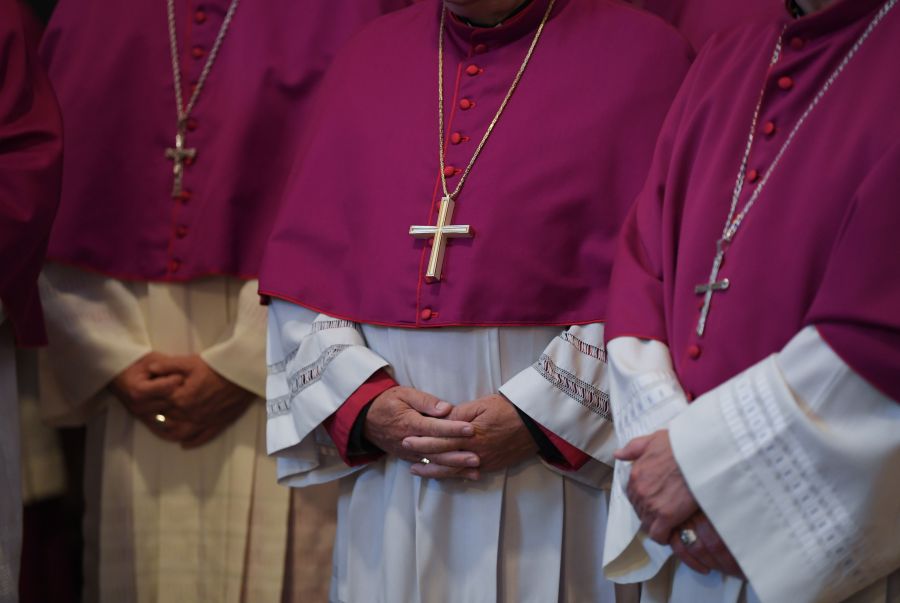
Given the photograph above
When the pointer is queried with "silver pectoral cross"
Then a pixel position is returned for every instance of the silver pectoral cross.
(713, 286)
(441, 233)
(179, 155)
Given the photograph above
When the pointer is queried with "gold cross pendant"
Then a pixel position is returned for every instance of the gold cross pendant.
(441, 233)
(179, 155)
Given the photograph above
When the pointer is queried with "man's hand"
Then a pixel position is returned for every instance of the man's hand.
(210, 402)
(146, 393)
(501, 440)
(401, 412)
(657, 490)
(709, 552)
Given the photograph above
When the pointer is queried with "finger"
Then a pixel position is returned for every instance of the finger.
(660, 530)
(440, 428)
(155, 407)
(166, 365)
(429, 445)
(458, 459)
(685, 554)
(163, 431)
(697, 549)
(716, 547)
(159, 387)
(465, 412)
(634, 449)
(435, 471)
(424, 403)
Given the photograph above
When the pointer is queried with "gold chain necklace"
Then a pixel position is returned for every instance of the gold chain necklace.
(444, 229)
(179, 154)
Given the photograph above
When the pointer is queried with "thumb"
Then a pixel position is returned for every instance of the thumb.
(426, 404)
(633, 450)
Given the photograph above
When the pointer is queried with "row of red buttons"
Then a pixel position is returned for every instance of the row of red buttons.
(456, 138)
(769, 129)
(182, 230)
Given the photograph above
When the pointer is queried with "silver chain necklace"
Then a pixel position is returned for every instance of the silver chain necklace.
(179, 154)
(733, 222)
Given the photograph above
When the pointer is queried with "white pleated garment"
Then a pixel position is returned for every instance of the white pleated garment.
(525, 534)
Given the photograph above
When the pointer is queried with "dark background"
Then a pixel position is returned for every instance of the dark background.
(42, 8)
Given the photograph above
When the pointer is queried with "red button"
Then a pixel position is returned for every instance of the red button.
(769, 128)
(473, 70)
(797, 43)
(752, 176)
(191, 124)
(198, 52)
(181, 232)
(785, 83)
(174, 265)
(200, 16)
(426, 314)
(456, 138)
(480, 48)
(465, 104)
(185, 196)
(694, 351)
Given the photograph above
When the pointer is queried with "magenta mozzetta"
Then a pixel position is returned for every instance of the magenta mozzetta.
(118, 215)
(544, 200)
(819, 246)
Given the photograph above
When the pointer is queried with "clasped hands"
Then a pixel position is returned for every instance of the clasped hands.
(664, 503)
(460, 442)
(180, 398)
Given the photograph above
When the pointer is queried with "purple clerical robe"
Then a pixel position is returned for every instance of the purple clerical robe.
(110, 65)
(697, 20)
(30, 163)
(546, 197)
(820, 245)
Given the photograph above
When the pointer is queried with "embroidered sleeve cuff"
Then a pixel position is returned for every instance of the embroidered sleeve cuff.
(718, 442)
(562, 392)
(345, 425)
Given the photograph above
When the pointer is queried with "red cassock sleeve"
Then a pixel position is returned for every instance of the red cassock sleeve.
(573, 458)
(30, 172)
(857, 305)
(340, 425)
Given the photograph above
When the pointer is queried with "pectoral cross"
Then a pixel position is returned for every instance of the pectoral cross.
(441, 232)
(713, 286)
(179, 155)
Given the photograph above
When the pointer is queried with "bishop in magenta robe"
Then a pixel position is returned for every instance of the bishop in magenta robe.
(697, 20)
(30, 167)
(764, 413)
(511, 332)
(156, 328)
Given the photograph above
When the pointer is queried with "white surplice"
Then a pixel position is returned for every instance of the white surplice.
(529, 533)
(794, 461)
(165, 524)
(10, 480)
